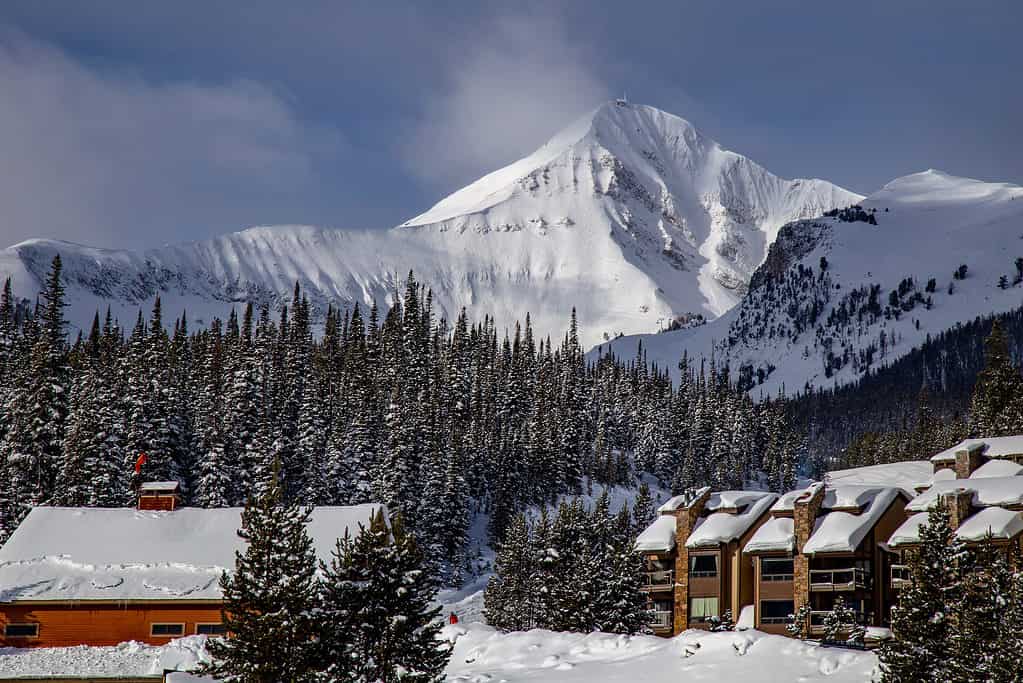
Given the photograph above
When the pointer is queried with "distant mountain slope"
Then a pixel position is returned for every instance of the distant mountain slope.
(629, 214)
(871, 303)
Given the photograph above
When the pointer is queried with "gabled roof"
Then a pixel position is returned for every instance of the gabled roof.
(659, 536)
(993, 522)
(986, 492)
(776, 535)
(995, 468)
(724, 527)
(127, 554)
(840, 531)
(683, 500)
(992, 447)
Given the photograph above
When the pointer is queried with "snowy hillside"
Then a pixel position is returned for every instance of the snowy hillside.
(629, 214)
(871, 299)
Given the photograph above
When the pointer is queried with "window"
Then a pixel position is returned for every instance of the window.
(21, 631)
(776, 611)
(210, 629)
(776, 569)
(703, 565)
(166, 630)
(702, 609)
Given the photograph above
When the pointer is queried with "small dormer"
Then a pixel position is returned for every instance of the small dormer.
(159, 495)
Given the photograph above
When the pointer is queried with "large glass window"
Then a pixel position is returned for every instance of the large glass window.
(776, 611)
(703, 565)
(702, 609)
(776, 569)
(210, 629)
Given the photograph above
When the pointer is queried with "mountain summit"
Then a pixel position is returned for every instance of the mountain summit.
(629, 214)
(848, 292)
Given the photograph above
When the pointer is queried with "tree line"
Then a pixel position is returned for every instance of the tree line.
(439, 420)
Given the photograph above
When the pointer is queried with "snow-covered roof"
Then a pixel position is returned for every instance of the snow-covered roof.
(734, 499)
(682, 500)
(906, 475)
(995, 468)
(659, 536)
(159, 486)
(724, 527)
(909, 531)
(839, 531)
(787, 501)
(776, 534)
(995, 522)
(992, 447)
(986, 492)
(127, 554)
(946, 474)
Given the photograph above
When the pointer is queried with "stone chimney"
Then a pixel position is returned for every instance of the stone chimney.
(958, 503)
(804, 514)
(685, 521)
(969, 459)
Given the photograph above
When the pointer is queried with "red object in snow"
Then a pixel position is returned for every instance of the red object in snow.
(140, 462)
(453, 619)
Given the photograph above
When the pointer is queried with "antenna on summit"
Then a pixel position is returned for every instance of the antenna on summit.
(623, 100)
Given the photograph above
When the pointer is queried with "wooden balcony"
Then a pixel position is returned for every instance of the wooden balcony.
(659, 581)
(901, 576)
(661, 619)
(834, 580)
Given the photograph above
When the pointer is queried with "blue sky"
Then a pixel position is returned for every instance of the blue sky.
(127, 124)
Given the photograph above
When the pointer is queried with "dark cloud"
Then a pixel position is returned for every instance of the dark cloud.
(136, 124)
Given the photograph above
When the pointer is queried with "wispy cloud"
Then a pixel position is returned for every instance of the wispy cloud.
(512, 86)
(109, 158)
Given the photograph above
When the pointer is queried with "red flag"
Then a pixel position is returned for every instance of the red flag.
(140, 462)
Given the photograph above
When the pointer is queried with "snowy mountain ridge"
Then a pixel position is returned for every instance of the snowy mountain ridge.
(842, 294)
(629, 214)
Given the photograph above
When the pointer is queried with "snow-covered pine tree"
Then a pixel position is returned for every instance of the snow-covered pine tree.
(376, 597)
(922, 622)
(270, 598)
(643, 511)
(508, 601)
(38, 405)
(994, 408)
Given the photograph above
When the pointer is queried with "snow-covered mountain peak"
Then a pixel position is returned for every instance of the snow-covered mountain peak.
(937, 187)
(629, 215)
(843, 293)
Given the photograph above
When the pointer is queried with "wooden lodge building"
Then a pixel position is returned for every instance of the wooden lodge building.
(102, 576)
(762, 556)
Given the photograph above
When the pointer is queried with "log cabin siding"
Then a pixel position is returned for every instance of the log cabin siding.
(78, 623)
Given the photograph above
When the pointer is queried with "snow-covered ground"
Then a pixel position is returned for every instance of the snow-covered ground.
(126, 659)
(483, 655)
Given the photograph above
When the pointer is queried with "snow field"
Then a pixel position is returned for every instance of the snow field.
(484, 655)
(126, 659)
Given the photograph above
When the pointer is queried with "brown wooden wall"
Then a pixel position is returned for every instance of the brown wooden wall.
(102, 624)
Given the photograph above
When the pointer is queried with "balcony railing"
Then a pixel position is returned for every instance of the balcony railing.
(838, 579)
(901, 576)
(661, 619)
(818, 621)
(659, 580)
